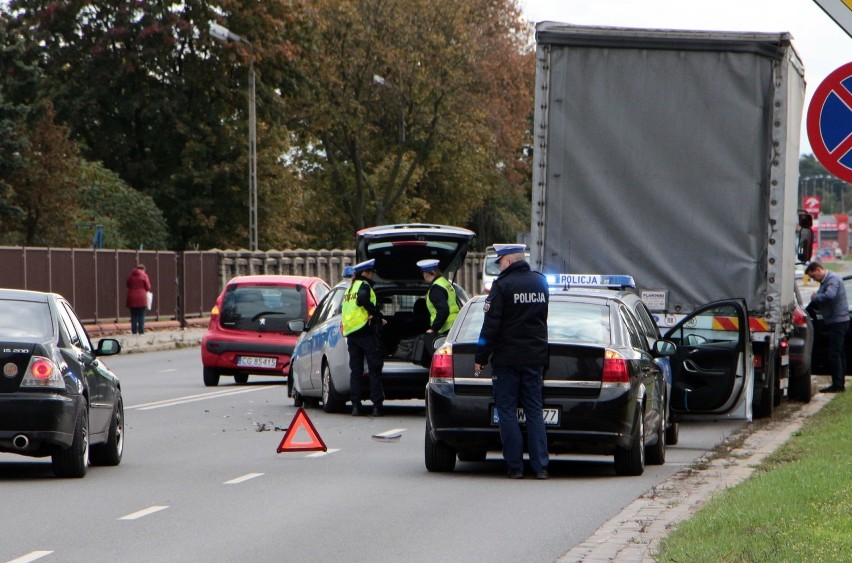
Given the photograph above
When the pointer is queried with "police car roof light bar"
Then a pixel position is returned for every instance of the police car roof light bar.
(566, 281)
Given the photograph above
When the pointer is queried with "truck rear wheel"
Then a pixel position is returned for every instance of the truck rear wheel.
(764, 397)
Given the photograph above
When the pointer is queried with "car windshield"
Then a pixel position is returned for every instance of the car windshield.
(567, 321)
(24, 319)
(492, 268)
(248, 303)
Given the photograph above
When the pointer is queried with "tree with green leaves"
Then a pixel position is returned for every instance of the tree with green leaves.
(414, 111)
(147, 92)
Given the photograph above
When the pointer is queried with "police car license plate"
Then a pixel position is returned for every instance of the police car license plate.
(255, 362)
(551, 416)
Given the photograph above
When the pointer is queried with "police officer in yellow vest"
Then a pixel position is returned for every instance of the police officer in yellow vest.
(362, 322)
(440, 299)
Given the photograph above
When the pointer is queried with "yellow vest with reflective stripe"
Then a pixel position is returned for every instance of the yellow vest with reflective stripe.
(355, 317)
(451, 301)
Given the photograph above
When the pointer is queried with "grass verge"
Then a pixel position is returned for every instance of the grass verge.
(797, 506)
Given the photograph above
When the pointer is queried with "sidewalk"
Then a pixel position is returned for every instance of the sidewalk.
(159, 335)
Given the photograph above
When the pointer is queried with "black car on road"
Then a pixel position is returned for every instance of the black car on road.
(604, 391)
(57, 396)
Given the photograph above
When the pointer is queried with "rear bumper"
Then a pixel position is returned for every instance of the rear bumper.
(586, 426)
(46, 419)
(223, 355)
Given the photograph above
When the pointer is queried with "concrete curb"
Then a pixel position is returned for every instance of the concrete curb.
(157, 340)
(634, 533)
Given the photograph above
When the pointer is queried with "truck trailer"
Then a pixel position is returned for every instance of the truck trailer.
(672, 156)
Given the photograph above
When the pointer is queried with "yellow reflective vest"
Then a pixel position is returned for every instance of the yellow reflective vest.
(453, 303)
(355, 317)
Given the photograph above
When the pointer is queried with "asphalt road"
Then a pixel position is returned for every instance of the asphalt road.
(201, 481)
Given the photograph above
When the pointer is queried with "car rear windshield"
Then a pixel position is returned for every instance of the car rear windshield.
(566, 322)
(25, 319)
(249, 303)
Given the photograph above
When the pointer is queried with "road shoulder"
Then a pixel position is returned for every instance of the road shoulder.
(635, 532)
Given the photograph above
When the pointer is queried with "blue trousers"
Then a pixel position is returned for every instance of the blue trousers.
(137, 320)
(837, 352)
(520, 386)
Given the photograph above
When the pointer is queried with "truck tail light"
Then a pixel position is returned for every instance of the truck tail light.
(442, 365)
(615, 368)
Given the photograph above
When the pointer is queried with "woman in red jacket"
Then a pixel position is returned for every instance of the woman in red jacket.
(138, 286)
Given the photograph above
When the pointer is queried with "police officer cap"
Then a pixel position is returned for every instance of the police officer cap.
(347, 272)
(428, 265)
(504, 249)
(364, 266)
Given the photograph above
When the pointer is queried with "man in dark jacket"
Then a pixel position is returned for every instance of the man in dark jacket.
(832, 302)
(514, 340)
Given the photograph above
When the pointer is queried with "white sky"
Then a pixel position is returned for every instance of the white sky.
(822, 45)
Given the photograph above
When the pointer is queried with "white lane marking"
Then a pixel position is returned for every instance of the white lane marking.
(145, 512)
(167, 370)
(321, 454)
(31, 556)
(245, 477)
(194, 398)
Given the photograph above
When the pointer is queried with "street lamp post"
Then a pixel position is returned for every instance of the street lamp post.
(223, 34)
(380, 80)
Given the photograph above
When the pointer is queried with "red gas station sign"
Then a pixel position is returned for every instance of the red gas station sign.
(812, 204)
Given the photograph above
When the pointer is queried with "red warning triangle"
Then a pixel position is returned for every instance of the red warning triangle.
(301, 421)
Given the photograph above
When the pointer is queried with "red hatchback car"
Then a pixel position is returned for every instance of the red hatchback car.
(248, 332)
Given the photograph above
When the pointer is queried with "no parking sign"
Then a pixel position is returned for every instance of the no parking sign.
(830, 122)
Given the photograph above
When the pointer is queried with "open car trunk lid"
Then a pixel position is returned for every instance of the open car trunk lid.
(397, 249)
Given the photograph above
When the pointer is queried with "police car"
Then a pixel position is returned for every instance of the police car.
(320, 362)
(605, 391)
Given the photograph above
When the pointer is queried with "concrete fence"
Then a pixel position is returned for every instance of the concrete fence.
(185, 284)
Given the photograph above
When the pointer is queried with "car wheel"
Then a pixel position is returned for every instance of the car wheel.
(241, 378)
(672, 433)
(655, 454)
(110, 452)
(298, 400)
(211, 377)
(801, 389)
(74, 461)
(440, 458)
(331, 399)
(473, 455)
(631, 460)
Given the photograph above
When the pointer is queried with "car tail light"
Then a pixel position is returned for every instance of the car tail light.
(42, 373)
(800, 317)
(615, 368)
(442, 365)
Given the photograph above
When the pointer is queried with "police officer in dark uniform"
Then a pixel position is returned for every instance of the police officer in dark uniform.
(514, 340)
(362, 321)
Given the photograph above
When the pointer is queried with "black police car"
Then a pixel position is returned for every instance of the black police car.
(604, 390)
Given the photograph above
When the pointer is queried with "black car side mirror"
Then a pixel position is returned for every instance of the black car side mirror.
(108, 347)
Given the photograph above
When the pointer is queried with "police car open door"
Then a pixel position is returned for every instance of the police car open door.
(712, 371)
